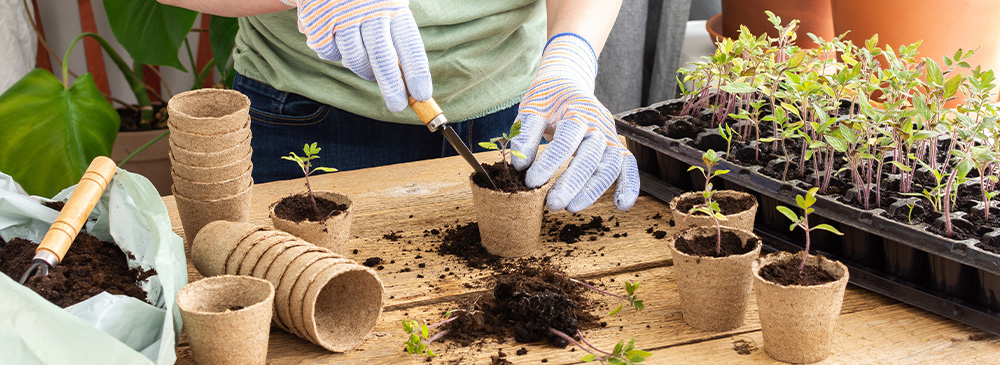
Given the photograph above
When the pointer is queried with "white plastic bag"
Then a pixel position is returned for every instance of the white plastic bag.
(105, 329)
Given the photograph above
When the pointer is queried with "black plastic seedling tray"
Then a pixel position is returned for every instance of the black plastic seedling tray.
(948, 277)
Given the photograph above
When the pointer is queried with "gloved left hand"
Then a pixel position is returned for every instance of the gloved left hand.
(561, 105)
(373, 38)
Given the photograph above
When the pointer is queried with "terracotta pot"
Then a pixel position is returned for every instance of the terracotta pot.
(814, 17)
(152, 163)
(743, 220)
(509, 223)
(714, 291)
(334, 233)
(944, 27)
(798, 321)
(226, 319)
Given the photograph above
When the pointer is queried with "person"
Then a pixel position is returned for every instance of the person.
(308, 67)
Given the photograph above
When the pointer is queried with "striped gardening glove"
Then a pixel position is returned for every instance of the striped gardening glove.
(561, 106)
(373, 39)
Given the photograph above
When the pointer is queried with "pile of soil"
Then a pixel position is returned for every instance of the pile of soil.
(463, 241)
(728, 204)
(524, 303)
(572, 233)
(89, 268)
(704, 245)
(299, 207)
(787, 273)
(506, 178)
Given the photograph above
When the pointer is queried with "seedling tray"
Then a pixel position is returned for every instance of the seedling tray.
(952, 278)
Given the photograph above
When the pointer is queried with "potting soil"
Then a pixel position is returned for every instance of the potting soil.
(89, 268)
(704, 245)
(787, 273)
(506, 178)
(298, 208)
(727, 204)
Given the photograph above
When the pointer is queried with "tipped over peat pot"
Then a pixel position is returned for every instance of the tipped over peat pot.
(714, 290)
(884, 252)
(329, 228)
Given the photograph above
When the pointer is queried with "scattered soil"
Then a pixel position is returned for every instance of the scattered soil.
(704, 245)
(744, 347)
(525, 302)
(728, 204)
(55, 205)
(571, 232)
(787, 273)
(659, 234)
(89, 268)
(393, 236)
(298, 208)
(463, 241)
(373, 261)
(504, 176)
(236, 308)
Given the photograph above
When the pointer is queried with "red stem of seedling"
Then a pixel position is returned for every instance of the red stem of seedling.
(443, 322)
(305, 169)
(573, 341)
(598, 290)
(805, 255)
(584, 340)
(435, 337)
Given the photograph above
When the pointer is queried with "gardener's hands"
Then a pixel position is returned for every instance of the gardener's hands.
(373, 38)
(561, 105)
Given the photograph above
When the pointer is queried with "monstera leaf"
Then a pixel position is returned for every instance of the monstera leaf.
(222, 37)
(151, 32)
(49, 133)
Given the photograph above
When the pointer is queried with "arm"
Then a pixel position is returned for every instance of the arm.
(229, 8)
(591, 19)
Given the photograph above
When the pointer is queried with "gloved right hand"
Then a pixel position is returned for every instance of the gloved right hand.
(373, 39)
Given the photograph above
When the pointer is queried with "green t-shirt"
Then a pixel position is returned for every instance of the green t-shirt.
(482, 54)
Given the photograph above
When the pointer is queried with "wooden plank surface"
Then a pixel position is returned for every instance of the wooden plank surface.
(410, 198)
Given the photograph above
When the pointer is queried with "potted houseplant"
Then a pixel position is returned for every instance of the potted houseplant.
(66, 123)
(739, 208)
(320, 217)
(513, 202)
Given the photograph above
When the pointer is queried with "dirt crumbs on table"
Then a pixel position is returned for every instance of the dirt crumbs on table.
(787, 273)
(463, 241)
(393, 236)
(90, 267)
(744, 347)
(299, 207)
(573, 233)
(373, 261)
(525, 303)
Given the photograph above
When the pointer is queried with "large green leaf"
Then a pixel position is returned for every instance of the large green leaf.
(222, 36)
(51, 133)
(151, 32)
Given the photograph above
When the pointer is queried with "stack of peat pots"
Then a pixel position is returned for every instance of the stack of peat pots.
(210, 157)
(320, 296)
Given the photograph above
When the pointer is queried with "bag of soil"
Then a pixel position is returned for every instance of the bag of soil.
(105, 328)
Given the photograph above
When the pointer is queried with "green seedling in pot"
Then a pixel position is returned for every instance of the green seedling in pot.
(710, 207)
(500, 144)
(630, 297)
(623, 354)
(305, 162)
(805, 203)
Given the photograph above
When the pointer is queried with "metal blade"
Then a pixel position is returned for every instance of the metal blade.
(465, 152)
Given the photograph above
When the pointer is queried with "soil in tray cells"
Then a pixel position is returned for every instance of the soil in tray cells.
(961, 229)
(89, 267)
(787, 273)
(524, 303)
(728, 204)
(506, 178)
(704, 245)
(298, 208)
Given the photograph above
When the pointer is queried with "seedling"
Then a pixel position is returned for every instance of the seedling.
(709, 207)
(630, 297)
(624, 354)
(419, 340)
(500, 144)
(311, 152)
(805, 203)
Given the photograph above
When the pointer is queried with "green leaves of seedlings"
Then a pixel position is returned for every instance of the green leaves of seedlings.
(418, 333)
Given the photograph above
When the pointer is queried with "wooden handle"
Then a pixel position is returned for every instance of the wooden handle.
(426, 110)
(83, 199)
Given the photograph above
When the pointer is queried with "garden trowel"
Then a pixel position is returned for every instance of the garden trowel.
(433, 117)
(74, 214)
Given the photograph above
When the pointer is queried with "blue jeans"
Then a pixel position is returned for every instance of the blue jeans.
(282, 122)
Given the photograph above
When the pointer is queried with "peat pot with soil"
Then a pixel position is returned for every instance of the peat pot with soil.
(693, 209)
(908, 178)
(320, 217)
(510, 217)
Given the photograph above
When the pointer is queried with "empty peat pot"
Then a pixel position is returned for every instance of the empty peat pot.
(797, 321)
(332, 233)
(740, 209)
(208, 111)
(714, 291)
(509, 223)
(195, 214)
(227, 319)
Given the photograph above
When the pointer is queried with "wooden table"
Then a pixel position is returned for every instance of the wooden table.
(413, 197)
